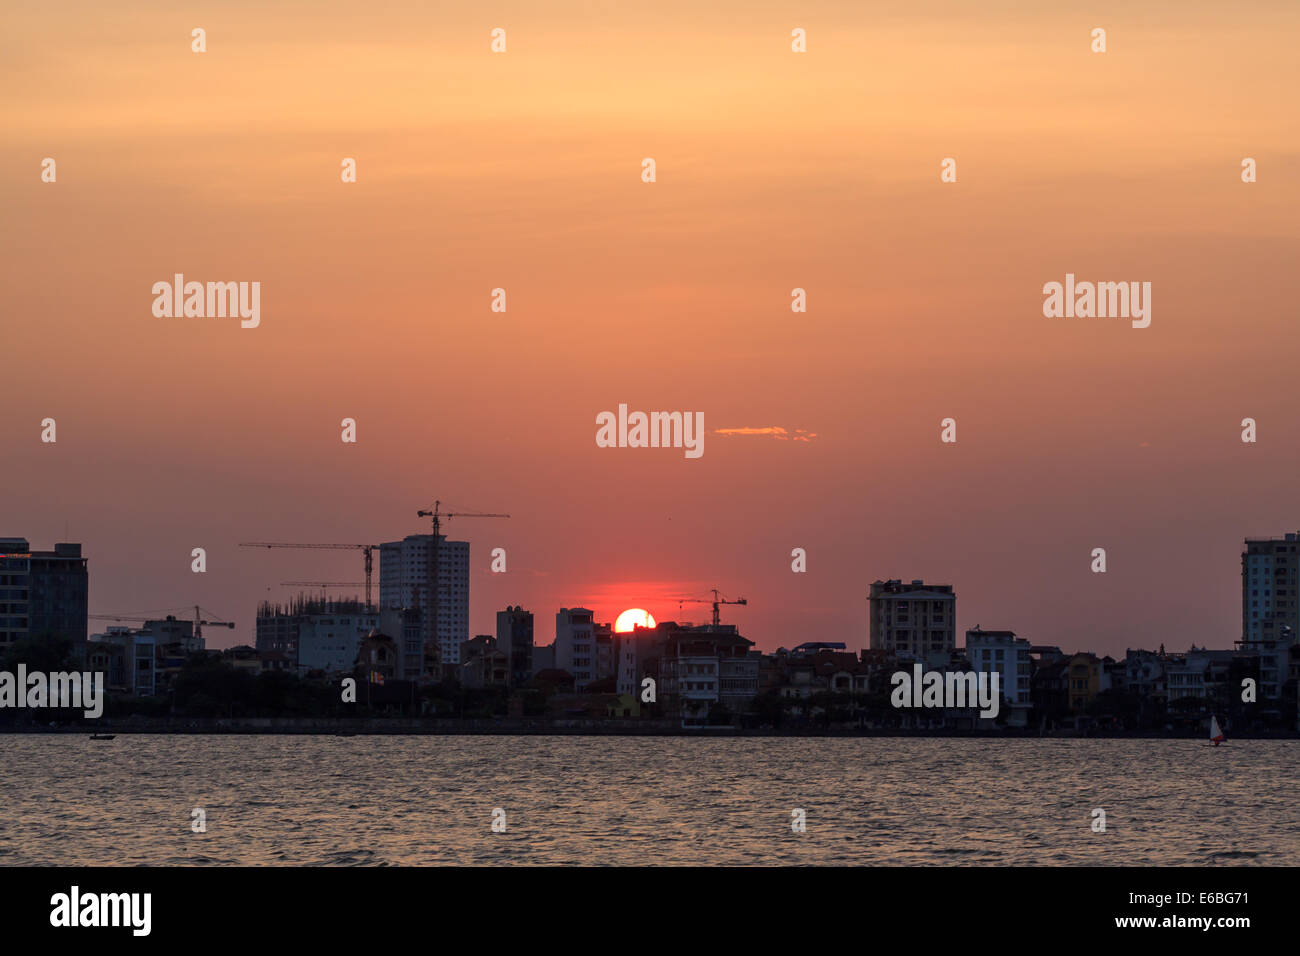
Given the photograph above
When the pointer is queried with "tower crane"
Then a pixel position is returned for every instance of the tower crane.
(322, 584)
(367, 549)
(437, 515)
(199, 622)
(717, 601)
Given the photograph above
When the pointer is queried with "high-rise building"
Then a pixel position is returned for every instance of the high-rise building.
(407, 579)
(515, 640)
(575, 645)
(1270, 606)
(916, 620)
(1270, 576)
(43, 593)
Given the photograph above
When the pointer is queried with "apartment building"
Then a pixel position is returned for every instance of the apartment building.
(913, 620)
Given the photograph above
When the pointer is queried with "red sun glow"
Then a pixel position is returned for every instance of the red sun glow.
(633, 617)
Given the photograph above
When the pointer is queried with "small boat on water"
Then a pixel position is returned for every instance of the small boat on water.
(1216, 732)
(102, 736)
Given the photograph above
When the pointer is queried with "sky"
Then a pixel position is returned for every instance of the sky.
(774, 171)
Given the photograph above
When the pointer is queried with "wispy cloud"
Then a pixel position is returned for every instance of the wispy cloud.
(769, 431)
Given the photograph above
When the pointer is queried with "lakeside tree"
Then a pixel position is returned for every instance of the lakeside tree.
(46, 652)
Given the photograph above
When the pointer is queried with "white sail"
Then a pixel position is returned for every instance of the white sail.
(1216, 734)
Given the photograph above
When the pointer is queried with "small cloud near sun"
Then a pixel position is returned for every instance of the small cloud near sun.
(769, 431)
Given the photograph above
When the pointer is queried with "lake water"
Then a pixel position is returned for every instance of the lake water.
(636, 800)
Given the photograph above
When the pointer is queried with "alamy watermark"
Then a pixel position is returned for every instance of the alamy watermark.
(947, 690)
(651, 430)
(75, 908)
(213, 300)
(35, 690)
(1086, 300)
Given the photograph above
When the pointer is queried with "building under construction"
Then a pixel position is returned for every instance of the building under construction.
(280, 626)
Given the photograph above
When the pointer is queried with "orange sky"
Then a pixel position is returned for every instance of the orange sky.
(775, 170)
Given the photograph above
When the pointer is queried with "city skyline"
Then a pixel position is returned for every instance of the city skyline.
(690, 608)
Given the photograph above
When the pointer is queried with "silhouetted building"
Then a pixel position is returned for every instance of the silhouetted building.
(1049, 688)
(603, 650)
(483, 663)
(43, 593)
(1084, 675)
(172, 630)
(1007, 655)
(1198, 674)
(575, 645)
(317, 635)
(515, 640)
(636, 655)
(328, 639)
(143, 661)
(406, 625)
(109, 654)
(275, 661)
(814, 647)
(543, 658)
(1144, 675)
(915, 620)
(1270, 606)
(377, 660)
(242, 658)
(278, 626)
(707, 667)
(1270, 574)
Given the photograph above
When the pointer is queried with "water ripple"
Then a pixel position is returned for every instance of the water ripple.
(383, 801)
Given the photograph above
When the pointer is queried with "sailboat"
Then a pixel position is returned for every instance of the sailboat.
(1216, 732)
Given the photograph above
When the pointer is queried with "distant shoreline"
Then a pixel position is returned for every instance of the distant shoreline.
(346, 727)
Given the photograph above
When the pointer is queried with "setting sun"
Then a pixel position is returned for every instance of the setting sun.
(633, 617)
